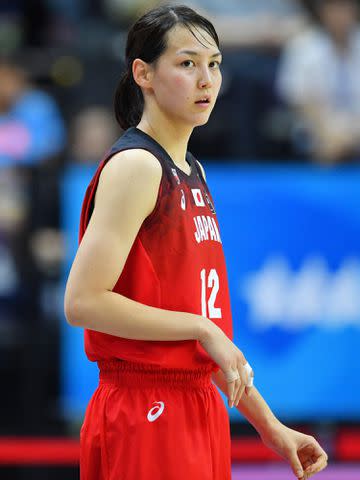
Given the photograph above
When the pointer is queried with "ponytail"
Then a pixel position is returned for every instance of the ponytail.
(128, 101)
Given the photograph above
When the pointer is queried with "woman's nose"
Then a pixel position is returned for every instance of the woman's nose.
(205, 80)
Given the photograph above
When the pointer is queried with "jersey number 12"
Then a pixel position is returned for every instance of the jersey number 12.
(208, 308)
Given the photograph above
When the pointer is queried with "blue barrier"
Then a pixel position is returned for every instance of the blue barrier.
(292, 243)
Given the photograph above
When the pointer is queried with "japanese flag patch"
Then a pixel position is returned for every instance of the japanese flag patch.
(198, 198)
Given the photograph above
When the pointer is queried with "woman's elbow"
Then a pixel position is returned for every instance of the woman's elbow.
(73, 311)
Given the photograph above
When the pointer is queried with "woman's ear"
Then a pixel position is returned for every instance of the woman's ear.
(142, 73)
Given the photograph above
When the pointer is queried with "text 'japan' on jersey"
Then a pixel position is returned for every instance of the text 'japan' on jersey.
(176, 261)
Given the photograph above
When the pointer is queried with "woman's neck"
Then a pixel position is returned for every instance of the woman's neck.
(173, 139)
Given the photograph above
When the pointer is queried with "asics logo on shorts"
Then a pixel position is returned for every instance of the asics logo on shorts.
(156, 411)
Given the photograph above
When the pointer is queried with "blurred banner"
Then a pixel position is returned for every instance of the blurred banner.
(292, 243)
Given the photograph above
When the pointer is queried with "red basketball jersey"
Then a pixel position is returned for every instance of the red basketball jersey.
(176, 262)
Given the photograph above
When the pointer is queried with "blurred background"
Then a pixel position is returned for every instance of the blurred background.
(281, 150)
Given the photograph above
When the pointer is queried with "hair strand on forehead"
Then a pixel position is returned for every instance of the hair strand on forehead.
(147, 40)
(191, 27)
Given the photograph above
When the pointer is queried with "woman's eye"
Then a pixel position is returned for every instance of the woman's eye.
(214, 64)
(187, 63)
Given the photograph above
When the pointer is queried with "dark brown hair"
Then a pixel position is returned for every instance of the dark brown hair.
(147, 40)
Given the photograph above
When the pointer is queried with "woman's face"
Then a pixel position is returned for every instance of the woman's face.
(186, 77)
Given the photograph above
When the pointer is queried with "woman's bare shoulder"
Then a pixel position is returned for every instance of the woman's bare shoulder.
(129, 181)
(132, 162)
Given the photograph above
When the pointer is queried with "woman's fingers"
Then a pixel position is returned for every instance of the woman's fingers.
(239, 393)
(241, 384)
(247, 375)
(318, 465)
(314, 458)
(231, 388)
(239, 380)
(232, 378)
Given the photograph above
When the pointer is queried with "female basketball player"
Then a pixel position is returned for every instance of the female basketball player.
(149, 283)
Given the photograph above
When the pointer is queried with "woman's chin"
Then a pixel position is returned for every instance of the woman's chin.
(201, 122)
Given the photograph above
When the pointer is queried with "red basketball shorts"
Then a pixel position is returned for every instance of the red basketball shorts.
(144, 423)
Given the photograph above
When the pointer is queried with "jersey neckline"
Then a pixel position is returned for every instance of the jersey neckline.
(165, 153)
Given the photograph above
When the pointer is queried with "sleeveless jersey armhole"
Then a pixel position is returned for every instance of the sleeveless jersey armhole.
(154, 211)
(199, 169)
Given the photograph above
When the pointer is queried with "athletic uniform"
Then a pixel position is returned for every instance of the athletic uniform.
(156, 414)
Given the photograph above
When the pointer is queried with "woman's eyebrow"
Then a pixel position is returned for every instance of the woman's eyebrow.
(192, 52)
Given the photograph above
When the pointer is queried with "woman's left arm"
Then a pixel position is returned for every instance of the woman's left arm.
(303, 452)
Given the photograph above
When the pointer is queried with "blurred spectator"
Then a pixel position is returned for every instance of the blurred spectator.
(31, 127)
(125, 12)
(13, 211)
(319, 77)
(238, 23)
(32, 137)
(24, 23)
(11, 33)
(93, 131)
(253, 22)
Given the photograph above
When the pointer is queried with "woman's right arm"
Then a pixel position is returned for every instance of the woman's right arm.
(126, 195)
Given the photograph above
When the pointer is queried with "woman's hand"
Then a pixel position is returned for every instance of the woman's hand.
(230, 360)
(303, 452)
